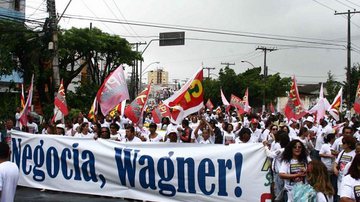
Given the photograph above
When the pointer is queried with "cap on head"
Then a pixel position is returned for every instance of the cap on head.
(60, 125)
(254, 121)
(310, 119)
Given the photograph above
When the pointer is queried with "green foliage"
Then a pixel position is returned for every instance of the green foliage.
(236, 84)
(83, 98)
(8, 102)
(332, 87)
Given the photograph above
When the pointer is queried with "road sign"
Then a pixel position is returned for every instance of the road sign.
(171, 38)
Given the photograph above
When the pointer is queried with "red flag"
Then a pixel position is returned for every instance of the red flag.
(247, 107)
(189, 99)
(209, 105)
(135, 110)
(112, 91)
(335, 107)
(25, 111)
(60, 100)
(357, 99)
(294, 108)
(238, 103)
(159, 112)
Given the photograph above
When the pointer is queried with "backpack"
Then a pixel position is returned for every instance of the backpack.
(304, 193)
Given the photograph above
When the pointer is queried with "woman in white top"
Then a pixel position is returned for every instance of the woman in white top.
(318, 177)
(325, 152)
(293, 166)
(229, 136)
(344, 157)
(305, 139)
(153, 136)
(282, 138)
(84, 131)
(350, 187)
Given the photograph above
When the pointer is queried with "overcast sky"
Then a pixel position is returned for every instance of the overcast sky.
(308, 24)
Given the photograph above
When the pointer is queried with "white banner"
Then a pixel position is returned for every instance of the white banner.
(144, 171)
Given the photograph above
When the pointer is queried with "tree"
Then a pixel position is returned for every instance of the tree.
(332, 87)
(27, 51)
(236, 84)
(354, 78)
(100, 52)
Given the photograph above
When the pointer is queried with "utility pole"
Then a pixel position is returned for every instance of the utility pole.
(135, 86)
(53, 27)
(265, 49)
(209, 69)
(227, 63)
(348, 68)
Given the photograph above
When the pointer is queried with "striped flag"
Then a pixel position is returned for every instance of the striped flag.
(27, 107)
(22, 97)
(93, 110)
(336, 107)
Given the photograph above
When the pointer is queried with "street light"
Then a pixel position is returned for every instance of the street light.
(142, 71)
(245, 61)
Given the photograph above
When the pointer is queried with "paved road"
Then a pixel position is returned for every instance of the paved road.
(31, 195)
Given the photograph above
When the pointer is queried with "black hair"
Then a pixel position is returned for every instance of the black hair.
(185, 122)
(283, 138)
(4, 150)
(288, 154)
(353, 170)
(131, 128)
(152, 125)
(114, 125)
(244, 131)
(329, 137)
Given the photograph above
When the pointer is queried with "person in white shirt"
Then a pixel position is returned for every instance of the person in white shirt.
(325, 152)
(318, 177)
(346, 156)
(84, 131)
(293, 166)
(350, 187)
(153, 135)
(17, 118)
(9, 174)
(130, 135)
(244, 136)
(292, 129)
(255, 131)
(207, 133)
(31, 126)
(114, 132)
(337, 146)
(229, 135)
(276, 155)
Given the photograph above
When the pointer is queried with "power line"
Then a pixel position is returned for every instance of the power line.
(38, 8)
(95, 16)
(344, 4)
(126, 20)
(116, 16)
(202, 30)
(268, 44)
(353, 3)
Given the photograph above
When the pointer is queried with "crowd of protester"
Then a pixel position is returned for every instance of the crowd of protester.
(323, 154)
